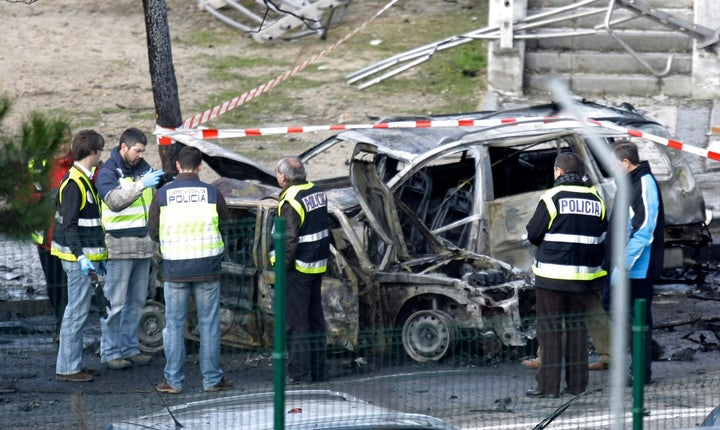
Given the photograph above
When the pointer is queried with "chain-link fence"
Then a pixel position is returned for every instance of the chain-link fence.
(477, 382)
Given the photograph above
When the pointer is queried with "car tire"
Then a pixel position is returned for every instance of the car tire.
(427, 335)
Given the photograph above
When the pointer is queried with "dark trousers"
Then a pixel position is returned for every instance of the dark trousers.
(643, 289)
(639, 289)
(56, 284)
(559, 311)
(306, 331)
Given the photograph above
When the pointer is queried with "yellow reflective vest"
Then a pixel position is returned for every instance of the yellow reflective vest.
(85, 231)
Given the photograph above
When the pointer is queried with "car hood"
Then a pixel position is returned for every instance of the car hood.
(227, 163)
(381, 211)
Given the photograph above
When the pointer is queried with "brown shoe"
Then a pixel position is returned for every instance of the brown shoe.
(75, 377)
(531, 363)
(164, 387)
(598, 365)
(221, 386)
(90, 371)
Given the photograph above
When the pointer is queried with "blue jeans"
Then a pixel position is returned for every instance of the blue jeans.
(207, 303)
(69, 359)
(126, 286)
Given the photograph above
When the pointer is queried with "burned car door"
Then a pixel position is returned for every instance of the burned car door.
(339, 291)
(444, 189)
(522, 169)
(434, 293)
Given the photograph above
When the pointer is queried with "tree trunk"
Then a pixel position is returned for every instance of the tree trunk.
(162, 76)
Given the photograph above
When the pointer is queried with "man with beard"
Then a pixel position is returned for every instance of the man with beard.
(125, 186)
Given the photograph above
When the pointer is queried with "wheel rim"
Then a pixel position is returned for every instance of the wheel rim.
(428, 335)
(150, 328)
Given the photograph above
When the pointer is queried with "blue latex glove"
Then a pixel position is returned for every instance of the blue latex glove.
(151, 178)
(86, 265)
(102, 268)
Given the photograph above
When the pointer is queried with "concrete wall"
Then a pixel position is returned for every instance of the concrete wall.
(596, 64)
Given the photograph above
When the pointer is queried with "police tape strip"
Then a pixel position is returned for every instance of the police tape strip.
(553, 122)
(249, 95)
(267, 131)
(660, 140)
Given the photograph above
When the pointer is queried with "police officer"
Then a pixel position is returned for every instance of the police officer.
(569, 228)
(307, 248)
(186, 217)
(125, 186)
(79, 242)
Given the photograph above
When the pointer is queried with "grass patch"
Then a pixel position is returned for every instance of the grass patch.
(451, 81)
(205, 38)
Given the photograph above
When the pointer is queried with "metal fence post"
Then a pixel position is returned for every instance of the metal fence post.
(279, 348)
(639, 329)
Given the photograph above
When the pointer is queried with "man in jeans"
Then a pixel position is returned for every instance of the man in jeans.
(125, 185)
(78, 241)
(185, 217)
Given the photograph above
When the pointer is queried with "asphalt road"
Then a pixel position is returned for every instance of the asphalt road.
(466, 389)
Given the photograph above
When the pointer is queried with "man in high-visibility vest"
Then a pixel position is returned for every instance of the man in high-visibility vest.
(125, 185)
(186, 217)
(307, 250)
(569, 228)
(79, 242)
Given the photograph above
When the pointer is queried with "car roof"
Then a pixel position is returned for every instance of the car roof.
(304, 409)
(407, 143)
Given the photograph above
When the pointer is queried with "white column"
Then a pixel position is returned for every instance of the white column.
(706, 63)
(506, 57)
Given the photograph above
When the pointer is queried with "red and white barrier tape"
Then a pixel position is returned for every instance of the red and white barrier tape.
(249, 95)
(544, 122)
(661, 140)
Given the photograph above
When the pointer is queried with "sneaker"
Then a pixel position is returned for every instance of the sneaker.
(118, 364)
(164, 387)
(221, 386)
(75, 377)
(533, 392)
(140, 359)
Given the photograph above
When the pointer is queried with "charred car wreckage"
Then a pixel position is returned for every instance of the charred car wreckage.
(427, 229)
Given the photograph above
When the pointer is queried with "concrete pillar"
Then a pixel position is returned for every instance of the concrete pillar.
(506, 57)
(706, 63)
(714, 138)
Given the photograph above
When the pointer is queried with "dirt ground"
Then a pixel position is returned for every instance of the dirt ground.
(87, 60)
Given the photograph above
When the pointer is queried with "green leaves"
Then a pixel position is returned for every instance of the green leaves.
(25, 164)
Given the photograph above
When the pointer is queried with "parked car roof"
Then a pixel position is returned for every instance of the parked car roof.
(304, 409)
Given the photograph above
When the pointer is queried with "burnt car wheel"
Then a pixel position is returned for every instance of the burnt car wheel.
(150, 328)
(428, 335)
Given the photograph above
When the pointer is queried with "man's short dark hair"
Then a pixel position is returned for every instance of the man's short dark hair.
(626, 149)
(189, 158)
(85, 142)
(569, 162)
(132, 136)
